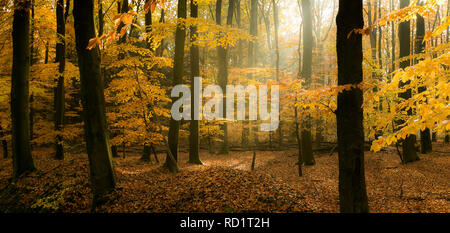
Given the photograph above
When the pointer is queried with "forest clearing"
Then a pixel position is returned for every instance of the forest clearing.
(225, 106)
(226, 184)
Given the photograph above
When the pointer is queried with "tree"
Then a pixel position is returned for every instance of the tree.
(222, 53)
(59, 99)
(349, 113)
(195, 72)
(178, 71)
(425, 135)
(21, 150)
(307, 152)
(277, 66)
(93, 101)
(409, 153)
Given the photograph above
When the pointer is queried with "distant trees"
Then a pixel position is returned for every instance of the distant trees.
(93, 101)
(349, 114)
(21, 150)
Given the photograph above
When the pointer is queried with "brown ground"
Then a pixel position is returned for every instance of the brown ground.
(225, 184)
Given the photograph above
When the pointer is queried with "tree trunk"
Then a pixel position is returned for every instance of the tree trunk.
(277, 67)
(59, 99)
(22, 160)
(408, 144)
(178, 72)
(4, 143)
(146, 155)
(393, 38)
(425, 135)
(101, 18)
(93, 100)
(307, 151)
(350, 130)
(195, 72)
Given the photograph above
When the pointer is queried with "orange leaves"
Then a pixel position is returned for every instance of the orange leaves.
(150, 5)
(439, 30)
(122, 22)
(362, 31)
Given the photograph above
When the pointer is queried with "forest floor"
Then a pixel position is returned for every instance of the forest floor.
(225, 183)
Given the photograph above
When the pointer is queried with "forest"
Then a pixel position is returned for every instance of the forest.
(128, 106)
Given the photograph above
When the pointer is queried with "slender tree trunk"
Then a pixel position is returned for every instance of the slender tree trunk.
(101, 18)
(277, 66)
(195, 72)
(307, 152)
(148, 27)
(59, 99)
(22, 160)
(349, 115)
(178, 72)
(251, 62)
(93, 100)
(408, 144)
(425, 135)
(223, 70)
(160, 49)
(393, 38)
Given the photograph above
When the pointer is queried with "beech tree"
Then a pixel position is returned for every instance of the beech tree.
(349, 113)
(21, 150)
(93, 100)
(306, 138)
(195, 72)
(409, 153)
(178, 72)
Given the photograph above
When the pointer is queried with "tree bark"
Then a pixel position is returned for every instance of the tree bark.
(4, 143)
(59, 99)
(349, 114)
(307, 151)
(277, 67)
(21, 150)
(178, 72)
(195, 72)
(425, 135)
(409, 153)
(93, 100)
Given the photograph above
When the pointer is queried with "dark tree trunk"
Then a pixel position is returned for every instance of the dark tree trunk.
(160, 49)
(146, 155)
(101, 18)
(59, 99)
(299, 143)
(409, 153)
(124, 8)
(93, 100)
(350, 130)
(4, 144)
(22, 160)
(425, 135)
(307, 151)
(195, 72)
(178, 72)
